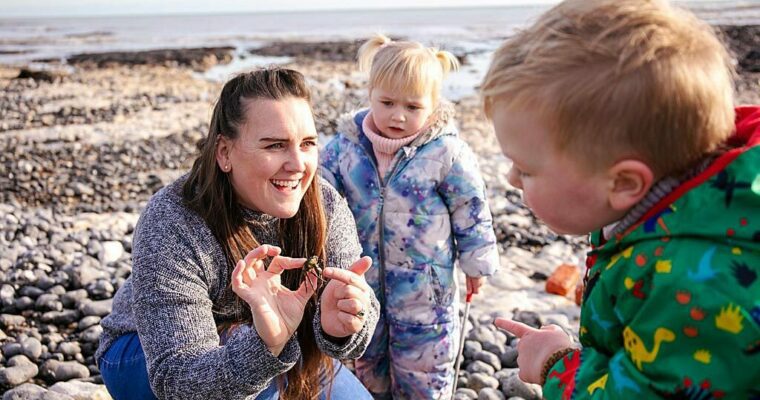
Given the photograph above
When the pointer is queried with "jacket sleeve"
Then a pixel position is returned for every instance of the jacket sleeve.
(343, 249)
(464, 193)
(173, 314)
(689, 330)
(329, 160)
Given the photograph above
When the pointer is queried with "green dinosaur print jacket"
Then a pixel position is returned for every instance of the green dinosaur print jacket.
(671, 306)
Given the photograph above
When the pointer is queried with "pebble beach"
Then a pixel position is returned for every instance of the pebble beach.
(84, 143)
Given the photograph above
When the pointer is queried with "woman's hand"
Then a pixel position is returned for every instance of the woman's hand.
(277, 311)
(535, 346)
(346, 299)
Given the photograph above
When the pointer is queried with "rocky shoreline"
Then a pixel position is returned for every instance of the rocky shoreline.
(83, 148)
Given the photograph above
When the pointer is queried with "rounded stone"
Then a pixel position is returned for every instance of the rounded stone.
(87, 322)
(479, 381)
(18, 374)
(32, 348)
(513, 386)
(58, 371)
(478, 366)
(509, 358)
(465, 394)
(489, 358)
(490, 394)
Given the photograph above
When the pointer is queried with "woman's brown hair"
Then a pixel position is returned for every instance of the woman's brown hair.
(209, 192)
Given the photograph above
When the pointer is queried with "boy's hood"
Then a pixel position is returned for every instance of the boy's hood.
(747, 126)
(698, 207)
(349, 124)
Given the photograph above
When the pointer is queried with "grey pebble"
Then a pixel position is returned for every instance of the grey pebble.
(479, 381)
(490, 394)
(58, 371)
(488, 358)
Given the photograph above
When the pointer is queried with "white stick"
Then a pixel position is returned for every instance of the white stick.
(461, 344)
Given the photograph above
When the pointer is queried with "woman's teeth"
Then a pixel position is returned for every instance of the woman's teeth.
(292, 184)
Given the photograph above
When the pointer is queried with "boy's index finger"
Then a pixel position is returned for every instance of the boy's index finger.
(516, 328)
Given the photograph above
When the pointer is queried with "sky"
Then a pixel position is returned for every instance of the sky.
(65, 8)
(45, 8)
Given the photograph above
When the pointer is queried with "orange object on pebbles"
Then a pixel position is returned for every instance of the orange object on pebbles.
(563, 280)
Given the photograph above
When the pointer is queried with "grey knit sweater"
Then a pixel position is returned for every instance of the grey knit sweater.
(179, 288)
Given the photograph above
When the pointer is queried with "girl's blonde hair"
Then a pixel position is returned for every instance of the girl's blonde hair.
(620, 78)
(405, 67)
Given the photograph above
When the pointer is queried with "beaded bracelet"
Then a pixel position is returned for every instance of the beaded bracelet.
(549, 363)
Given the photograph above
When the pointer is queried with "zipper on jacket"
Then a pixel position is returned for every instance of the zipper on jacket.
(381, 244)
(384, 187)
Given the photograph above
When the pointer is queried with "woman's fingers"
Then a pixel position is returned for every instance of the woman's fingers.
(351, 306)
(352, 292)
(237, 276)
(347, 277)
(280, 264)
(307, 287)
(354, 275)
(355, 322)
(250, 275)
(256, 256)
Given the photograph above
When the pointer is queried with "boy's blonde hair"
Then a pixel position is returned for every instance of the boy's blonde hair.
(405, 67)
(620, 78)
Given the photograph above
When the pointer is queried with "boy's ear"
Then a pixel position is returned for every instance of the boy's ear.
(631, 181)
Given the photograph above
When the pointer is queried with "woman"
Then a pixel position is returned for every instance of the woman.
(206, 330)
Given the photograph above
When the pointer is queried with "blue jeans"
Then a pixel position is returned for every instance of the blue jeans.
(125, 375)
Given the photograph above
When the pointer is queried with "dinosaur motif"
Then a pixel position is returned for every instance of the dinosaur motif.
(649, 225)
(567, 377)
(730, 319)
(596, 318)
(621, 380)
(598, 384)
(743, 274)
(689, 390)
(635, 346)
(755, 314)
(624, 254)
(637, 289)
(728, 183)
(704, 270)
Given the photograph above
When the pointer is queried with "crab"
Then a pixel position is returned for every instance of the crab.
(312, 266)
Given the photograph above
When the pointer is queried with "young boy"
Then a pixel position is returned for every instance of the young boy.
(618, 116)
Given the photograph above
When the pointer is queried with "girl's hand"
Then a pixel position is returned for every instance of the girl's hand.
(345, 301)
(276, 310)
(535, 346)
(474, 283)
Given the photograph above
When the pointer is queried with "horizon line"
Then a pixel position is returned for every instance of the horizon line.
(519, 4)
(523, 3)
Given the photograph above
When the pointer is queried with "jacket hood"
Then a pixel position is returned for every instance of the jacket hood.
(718, 204)
(747, 126)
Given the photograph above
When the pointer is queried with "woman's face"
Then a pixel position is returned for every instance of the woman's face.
(273, 160)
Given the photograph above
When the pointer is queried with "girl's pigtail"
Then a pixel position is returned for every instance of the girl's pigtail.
(369, 49)
(449, 62)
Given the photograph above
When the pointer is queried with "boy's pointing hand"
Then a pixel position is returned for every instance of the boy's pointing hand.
(535, 346)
